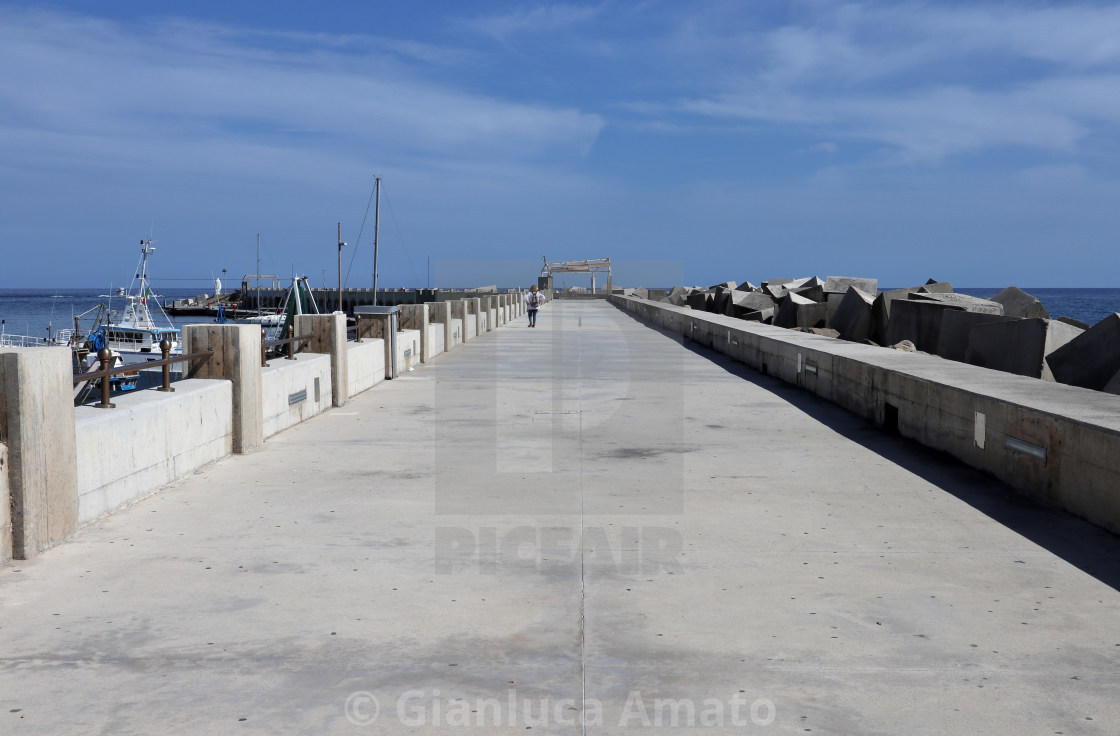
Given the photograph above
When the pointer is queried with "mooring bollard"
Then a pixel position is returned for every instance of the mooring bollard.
(292, 345)
(105, 355)
(165, 348)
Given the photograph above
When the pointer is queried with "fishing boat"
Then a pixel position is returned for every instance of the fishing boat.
(131, 330)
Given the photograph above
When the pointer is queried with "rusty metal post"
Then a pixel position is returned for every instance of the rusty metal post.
(264, 349)
(292, 346)
(105, 355)
(165, 348)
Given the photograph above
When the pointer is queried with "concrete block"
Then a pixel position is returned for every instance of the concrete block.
(853, 315)
(752, 300)
(840, 285)
(435, 340)
(37, 421)
(1075, 322)
(1018, 346)
(5, 508)
(415, 317)
(699, 300)
(964, 301)
(474, 305)
(237, 358)
(813, 292)
(408, 350)
(294, 391)
(797, 311)
(746, 286)
(1092, 359)
(366, 365)
(726, 286)
(758, 315)
(149, 440)
(677, 296)
(917, 321)
(460, 311)
(440, 313)
(1018, 303)
(328, 335)
(956, 325)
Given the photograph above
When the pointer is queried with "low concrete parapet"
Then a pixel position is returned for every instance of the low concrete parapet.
(1055, 442)
(416, 317)
(365, 365)
(328, 335)
(149, 440)
(435, 340)
(294, 390)
(460, 310)
(440, 314)
(236, 358)
(408, 349)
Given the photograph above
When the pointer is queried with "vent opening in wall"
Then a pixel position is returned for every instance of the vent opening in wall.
(890, 418)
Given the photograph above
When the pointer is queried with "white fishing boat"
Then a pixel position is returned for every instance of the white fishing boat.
(130, 329)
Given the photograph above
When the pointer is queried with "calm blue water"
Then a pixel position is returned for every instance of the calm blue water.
(30, 311)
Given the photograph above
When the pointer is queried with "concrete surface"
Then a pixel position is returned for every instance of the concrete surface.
(236, 358)
(776, 555)
(366, 364)
(293, 391)
(328, 333)
(37, 424)
(149, 440)
(5, 508)
(1057, 443)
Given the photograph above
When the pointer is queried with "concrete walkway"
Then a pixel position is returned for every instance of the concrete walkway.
(585, 514)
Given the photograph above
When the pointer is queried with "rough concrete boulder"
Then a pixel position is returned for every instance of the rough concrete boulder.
(721, 302)
(822, 331)
(766, 316)
(917, 321)
(677, 296)
(881, 312)
(956, 325)
(699, 300)
(853, 315)
(1092, 359)
(746, 286)
(814, 292)
(751, 300)
(964, 301)
(797, 311)
(1075, 322)
(641, 293)
(1018, 303)
(840, 285)
(1018, 346)
(727, 285)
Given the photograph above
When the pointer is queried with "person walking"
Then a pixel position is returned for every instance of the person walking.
(533, 301)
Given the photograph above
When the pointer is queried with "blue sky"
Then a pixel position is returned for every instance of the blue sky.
(975, 142)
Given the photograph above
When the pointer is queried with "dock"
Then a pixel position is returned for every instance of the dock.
(592, 526)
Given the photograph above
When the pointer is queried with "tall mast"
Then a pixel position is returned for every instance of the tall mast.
(258, 274)
(376, 227)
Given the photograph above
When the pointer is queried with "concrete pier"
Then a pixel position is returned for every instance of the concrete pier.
(591, 514)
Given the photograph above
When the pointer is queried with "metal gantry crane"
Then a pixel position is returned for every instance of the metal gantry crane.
(590, 266)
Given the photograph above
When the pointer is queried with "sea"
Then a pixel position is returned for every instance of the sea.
(34, 312)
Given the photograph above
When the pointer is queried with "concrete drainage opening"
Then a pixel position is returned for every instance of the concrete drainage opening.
(890, 418)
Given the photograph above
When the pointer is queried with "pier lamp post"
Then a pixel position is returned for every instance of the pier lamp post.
(340, 244)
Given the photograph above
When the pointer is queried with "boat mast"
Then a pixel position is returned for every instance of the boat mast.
(258, 274)
(376, 224)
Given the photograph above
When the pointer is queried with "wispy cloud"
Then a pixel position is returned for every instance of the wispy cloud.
(77, 86)
(926, 81)
(541, 18)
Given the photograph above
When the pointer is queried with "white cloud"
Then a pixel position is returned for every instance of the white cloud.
(542, 18)
(98, 90)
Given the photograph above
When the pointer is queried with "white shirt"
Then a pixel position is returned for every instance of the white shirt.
(528, 297)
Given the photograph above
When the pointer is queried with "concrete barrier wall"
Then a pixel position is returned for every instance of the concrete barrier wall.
(456, 333)
(282, 384)
(435, 340)
(5, 508)
(408, 350)
(149, 440)
(1057, 443)
(366, 364)
(469, 326)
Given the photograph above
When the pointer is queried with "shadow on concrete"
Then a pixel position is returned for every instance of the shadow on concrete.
(1086, 546)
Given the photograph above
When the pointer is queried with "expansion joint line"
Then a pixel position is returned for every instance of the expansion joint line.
(582, 547)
